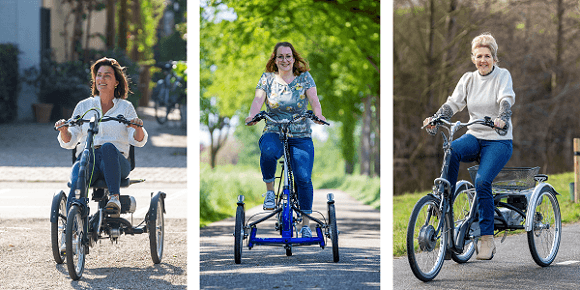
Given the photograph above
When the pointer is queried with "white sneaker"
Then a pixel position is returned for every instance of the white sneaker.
(114, 204)
(270, 200)
(306, 232)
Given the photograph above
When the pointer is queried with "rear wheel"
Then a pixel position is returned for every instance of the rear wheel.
(544, 238)
(464, 198)
(426, 246)
(75, 247)
(57, 228)
(156, 228)
(239, 234)
(161, 112)
(333, 231)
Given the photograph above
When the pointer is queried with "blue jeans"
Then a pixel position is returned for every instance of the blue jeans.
(302, 161)
(109, 163)
(493, 154)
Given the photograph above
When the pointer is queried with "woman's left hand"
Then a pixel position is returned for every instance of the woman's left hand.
(498, 123)
(321, 118)
(135, 122)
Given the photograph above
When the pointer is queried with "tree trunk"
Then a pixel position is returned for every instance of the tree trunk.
(76, 43)
(430, 56)
(90, 7)
(348, 149)
(110, 24)
(135, 55)
(123, 25)
(377, 144)
(365, 139)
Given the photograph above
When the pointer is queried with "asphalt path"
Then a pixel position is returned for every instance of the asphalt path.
(309, 267)
(512, 267)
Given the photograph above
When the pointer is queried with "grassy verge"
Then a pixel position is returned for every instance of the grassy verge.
(403, 205)
(219, 189)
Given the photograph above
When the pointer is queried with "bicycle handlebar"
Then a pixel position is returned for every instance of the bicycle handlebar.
(486, 121)
(306, 115)
(77, 121)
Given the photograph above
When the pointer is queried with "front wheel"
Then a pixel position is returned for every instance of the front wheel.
(544, 238)
(156, 227)
(333, 232)
(462, 202)
(75, 247)
(426, 245)
(58, 226)
(239, 234)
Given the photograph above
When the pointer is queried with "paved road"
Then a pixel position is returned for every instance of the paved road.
(309, 267)
(511, 268)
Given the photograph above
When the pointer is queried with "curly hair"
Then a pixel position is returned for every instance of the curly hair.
(300, 65)
(122, 89)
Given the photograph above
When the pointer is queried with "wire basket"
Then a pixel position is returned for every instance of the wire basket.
(511, 178)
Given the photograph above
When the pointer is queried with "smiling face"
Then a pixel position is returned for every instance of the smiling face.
(105, 79)
(483, 60)
(284, 59)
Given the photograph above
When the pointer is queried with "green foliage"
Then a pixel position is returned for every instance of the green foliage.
(9, 82)
(145, 39)
(172, 47)
(248, 138)
(219, 190)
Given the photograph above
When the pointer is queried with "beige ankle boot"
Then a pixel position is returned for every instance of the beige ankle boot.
(486, 248)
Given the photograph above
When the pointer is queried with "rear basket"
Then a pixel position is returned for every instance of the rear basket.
(511, 178)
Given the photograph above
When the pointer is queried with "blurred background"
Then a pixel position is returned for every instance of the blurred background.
(341, 42)
(538, 43)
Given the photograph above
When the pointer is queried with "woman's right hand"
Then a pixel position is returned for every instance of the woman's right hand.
(248, 119)
(58, 124)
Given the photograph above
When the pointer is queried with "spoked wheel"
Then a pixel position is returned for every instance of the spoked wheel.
(239, 234)
(544, 238)
(156, 227)
(464, 198)
(426, 247)
(58, 226)
(333, 231)
(75, 248)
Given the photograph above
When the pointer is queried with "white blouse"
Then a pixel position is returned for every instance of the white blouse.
(112, 132)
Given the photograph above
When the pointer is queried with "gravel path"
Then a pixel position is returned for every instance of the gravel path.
(26, 260)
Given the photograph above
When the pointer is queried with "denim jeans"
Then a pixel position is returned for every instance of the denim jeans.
(109, 163)
(302, 160)
(493, 154)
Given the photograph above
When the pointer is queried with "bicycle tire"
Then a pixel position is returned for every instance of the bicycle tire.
(546, 230)
(289, 251)
(57, 229)
(333, 232)
(463, 199)
(239, 234)
(156, 228)
(161, 113)
(75, 247)
(421, 238)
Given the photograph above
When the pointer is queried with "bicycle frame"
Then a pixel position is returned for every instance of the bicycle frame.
(289, 206)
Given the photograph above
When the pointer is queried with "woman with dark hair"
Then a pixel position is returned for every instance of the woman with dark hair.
(287, 88)
(109, 89)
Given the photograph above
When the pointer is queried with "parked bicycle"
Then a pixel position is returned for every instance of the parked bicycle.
(169, 92)
(79, 230)
(445, 224)
(287, 210)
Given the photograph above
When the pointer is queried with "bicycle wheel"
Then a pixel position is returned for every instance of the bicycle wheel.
(462, 201)
(544, 238)
(162, 112)
(426, 249)
(156, 228)
(289, 251)
(333, 231)
(75, 248)
(239, 234)
(57, 228)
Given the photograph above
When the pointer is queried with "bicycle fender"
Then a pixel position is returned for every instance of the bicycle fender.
(55, 206)
(461, 183)
(153, 209)
(532, 203)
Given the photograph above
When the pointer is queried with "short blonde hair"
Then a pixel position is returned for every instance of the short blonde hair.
(485, 40)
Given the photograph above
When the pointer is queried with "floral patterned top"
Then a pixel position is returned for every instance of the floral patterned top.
(285, 100)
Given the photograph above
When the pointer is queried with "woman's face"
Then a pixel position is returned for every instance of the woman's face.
(284, 59)
(483, 60)
(105, 79)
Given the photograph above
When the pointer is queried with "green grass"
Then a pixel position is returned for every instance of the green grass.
(403, 205)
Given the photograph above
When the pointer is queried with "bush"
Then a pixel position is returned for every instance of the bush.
(8, 82)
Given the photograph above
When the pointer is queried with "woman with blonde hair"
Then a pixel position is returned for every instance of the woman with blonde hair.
(487, 91)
